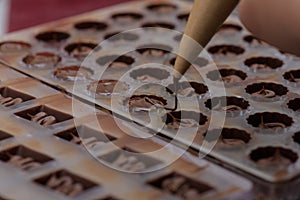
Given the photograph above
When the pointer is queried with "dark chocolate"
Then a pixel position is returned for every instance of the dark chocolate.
(263, 63)
(4, 135)
(145, 102)
(266, 90)
(294, 104)
(10, 97)
(80, 49)
(184, 118)
(14, 46)
(162, 8)
(120, 36)
(270, 120)
(149, 74)
(251, 39)
(233, 27)
(158, 25)
(107, 87)
(228, 76)
(292, 76)
(42, 60)
(188, 88)
(156, 50)
(296, 137)
(228, 104)
(226, 50)
(52, 36)
(184, 16)
(91, 26)
(71, 73)
(127, 17)
(116, 61)
(199, 62)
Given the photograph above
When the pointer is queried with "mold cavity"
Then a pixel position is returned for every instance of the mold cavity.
(183, 17)
(266, 90)
(227, 104)
(10, 97)
(296, 137)
(230, 28)
(91, 26)
(199, 62)
(107, 87)
(159, 25)
(270, 120)
(66, 183)
(250, 39)
(115, 61)
(72, 73)
(145, 103)
(188, 89)
(52, 36)
(263, 63)
(227, 50)
(127, 17)
(292, 76)
(4, 135)
(162, 8)
(119, 36)
(80, 50)
(42, 60)
(155, 50)
(186, 119)
(24, 158)
(228, 76)
(294, 105)
(149, 74)
(14, 46)
(228, 137)
(273, 156)
(44, 115)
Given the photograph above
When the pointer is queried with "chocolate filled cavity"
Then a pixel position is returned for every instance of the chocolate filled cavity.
(10, 97)
(24, 158)
(127, 17)
(228, 137)
(263, 63)
(296, 137)
(66, 183)
(80, 50)
(52, 36)
(72, 73)
(42, 60)
(294, 105)
(162, 8)
(227, 104)
(270, 120)
(183, 17)
(230, 28)
(119, 36)
(198, 62)
(188, 89)
(253, 40)
(273, 156)
(266, 90)
(109, 198)
(4, 135)
(91, 26)
(116, 61)
(14, 47)
(228, 76)
(155, 50)
(180, 185)
(149, 74)
(158, 25)
(226, 50)
(107, 87)
(44, 115)
(145, 103)
(185, 119)
(292, 76)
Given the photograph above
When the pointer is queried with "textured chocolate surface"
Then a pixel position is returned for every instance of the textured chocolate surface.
(266, 90)
(270, 120)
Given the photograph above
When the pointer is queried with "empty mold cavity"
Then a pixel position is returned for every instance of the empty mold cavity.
(42, 60)
(292, 76)
(270, 120)
(120, 36)
(52, 36)
(158, 25)
(155, 50)
(80, 49)
(107, 87)
(14, 46)
(91, 26)
(144, 103)
(24, 158)
(184, 119)
(72, 73)
(228, 76)
(162, 8)
(188, 89)
(44, 115)
(227, 104)
(116, 61)
(263, 63)
(126, 17)
(10, 97)
(226, 50)
(149, 74)
(266, 90)
(272, 156)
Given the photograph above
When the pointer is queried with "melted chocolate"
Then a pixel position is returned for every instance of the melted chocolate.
(115, 61)
(252, 40)
(294, 105)
(80, 49)
(263, 63)
(270, 120)
(91, 26)
(144, 103)
(188, 89)
(52, 36)
(292, 76)
(227, 50)
(10, 97)
(227, 104)
(156, 50)
(14, 46)
(127, 18)
(159, 25)
(228, 76)
(71, 73)
(266, 90)
(230, 27)
(186, 119)
(4, 135)
(107, 87)
(42, 60)
(162, 8)
(149, 74)
(119, 36)
(296, 137)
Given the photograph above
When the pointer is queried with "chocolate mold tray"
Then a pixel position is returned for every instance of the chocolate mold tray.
(47, 51)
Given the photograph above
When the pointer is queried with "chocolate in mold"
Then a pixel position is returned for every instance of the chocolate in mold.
(228, 137)
(292, 76)
(266, 90)
(144, 103)
(66, 183)
(188, 89)
(107, 87)
(228, 76)
(294, 105)
(272, 156)
(296, 137)
(14, 46)
(10, 97)
(109, 198)
(71, 73)
(127, 17)
(230, 27)
(116, 61)
(186, 119)
(263, 63)
(199, 62)
(159, 25)
(227, 104)
(91, 26)
(120, 36)
(130, 160)
(227, 50)
(253, 40)
(44, 115)
(80, 49)
(180, 185)
(42, 60)
(270, 120)
(156, 50)
(4, 135)
(24, 158)
(184, 16)
(149, 74)
(162, 8)
(52, 36)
